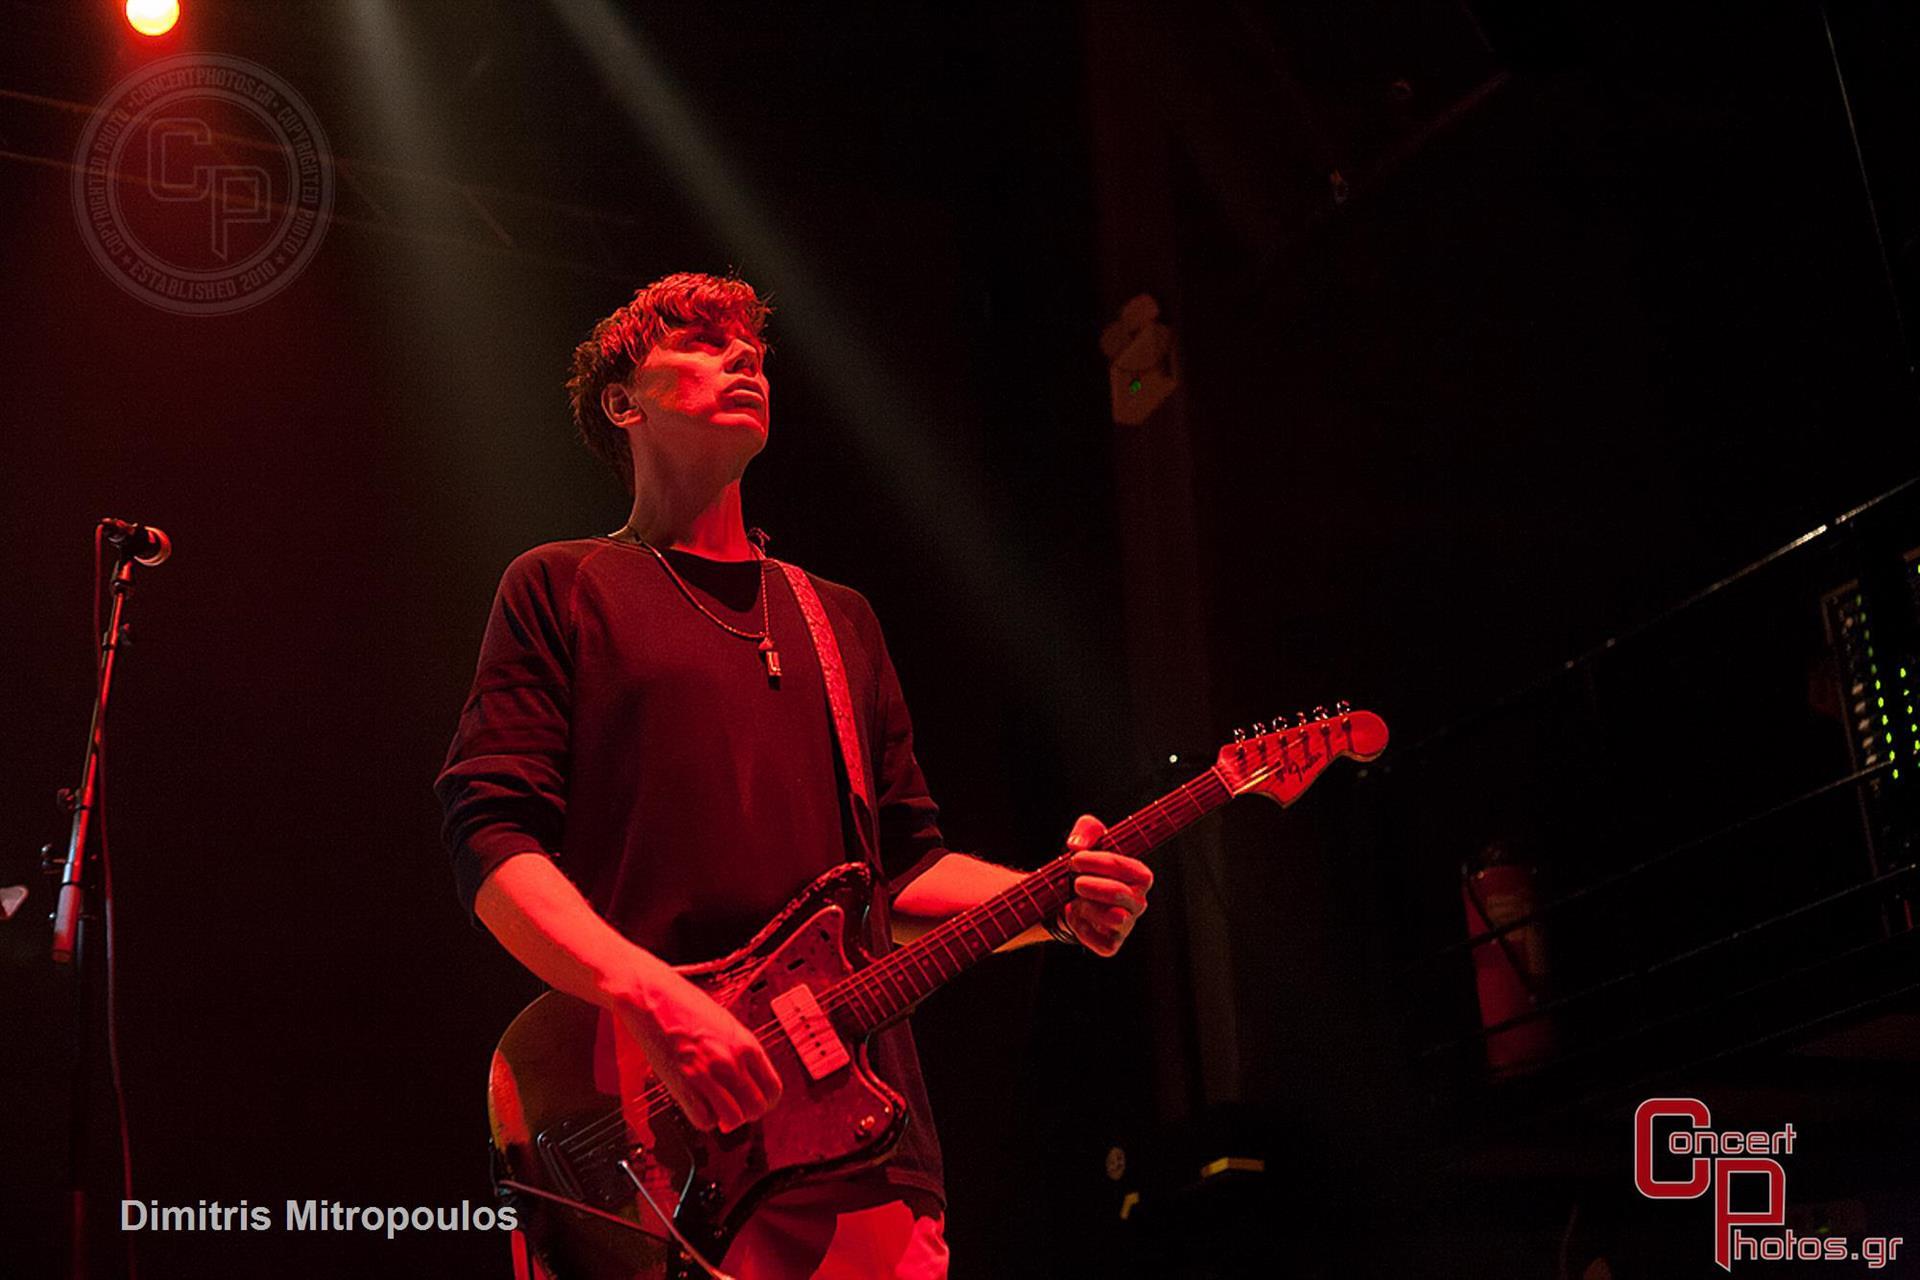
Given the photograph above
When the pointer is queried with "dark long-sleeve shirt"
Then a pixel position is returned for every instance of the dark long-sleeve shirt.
(615, 728)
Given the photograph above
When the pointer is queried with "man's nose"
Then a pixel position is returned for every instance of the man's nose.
(743, 356)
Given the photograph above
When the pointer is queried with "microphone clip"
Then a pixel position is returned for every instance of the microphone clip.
(140, 542)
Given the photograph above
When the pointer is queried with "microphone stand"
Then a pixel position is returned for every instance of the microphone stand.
(71, 938)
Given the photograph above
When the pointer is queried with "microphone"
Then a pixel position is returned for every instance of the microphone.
(146, 544)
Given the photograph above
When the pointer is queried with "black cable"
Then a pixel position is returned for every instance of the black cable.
(1611, 878)
(106, 900)
(1873, 209)
(113, 1008)
(1666, 962)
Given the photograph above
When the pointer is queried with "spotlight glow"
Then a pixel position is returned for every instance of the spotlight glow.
(153, 17)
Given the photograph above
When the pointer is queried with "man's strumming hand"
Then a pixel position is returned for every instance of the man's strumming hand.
(716, 1070)
(1110, 889)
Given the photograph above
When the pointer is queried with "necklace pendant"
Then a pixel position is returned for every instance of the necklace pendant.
(772, 657)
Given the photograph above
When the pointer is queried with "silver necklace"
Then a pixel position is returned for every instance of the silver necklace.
(763, 637)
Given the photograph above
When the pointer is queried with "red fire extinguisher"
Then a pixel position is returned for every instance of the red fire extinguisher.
(1510, 971)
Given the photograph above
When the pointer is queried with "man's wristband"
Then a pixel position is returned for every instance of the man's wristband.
(1059, 931)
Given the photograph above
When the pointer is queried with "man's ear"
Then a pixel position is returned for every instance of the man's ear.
(622, 409)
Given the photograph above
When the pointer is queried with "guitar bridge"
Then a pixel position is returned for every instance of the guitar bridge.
(590, 1168)
(560, 1166)
(810, 1030)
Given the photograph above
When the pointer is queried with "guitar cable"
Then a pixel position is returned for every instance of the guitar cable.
(626, 1167)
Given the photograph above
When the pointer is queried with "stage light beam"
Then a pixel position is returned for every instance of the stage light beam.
(152, 17)
(1024, 617)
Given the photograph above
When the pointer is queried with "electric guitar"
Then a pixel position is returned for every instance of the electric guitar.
(612, 1180)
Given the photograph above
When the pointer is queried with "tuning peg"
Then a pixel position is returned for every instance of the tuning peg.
(1319, 713)
(1299, 718)
(1259, 727)
(1239, 735)
(1342, 707)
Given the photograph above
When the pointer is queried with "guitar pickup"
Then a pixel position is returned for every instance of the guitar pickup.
(811, 1031)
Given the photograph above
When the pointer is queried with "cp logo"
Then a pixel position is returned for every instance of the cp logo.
(180, 168)
(1716, 1172)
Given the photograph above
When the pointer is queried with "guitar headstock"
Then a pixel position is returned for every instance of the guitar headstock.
(1281, 760)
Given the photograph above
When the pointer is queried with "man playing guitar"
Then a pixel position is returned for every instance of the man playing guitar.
(648, 717)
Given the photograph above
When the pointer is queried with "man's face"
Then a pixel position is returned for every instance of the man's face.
(703, 387)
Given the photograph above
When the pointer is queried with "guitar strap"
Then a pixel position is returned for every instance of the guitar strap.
(826, 647)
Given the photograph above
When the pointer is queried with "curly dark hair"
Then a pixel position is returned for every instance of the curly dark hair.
(620, 342)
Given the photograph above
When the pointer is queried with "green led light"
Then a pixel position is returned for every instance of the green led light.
(1879, 702)
(1876, 684)
(1134, 385)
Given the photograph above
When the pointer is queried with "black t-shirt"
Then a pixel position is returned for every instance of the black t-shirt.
(689, 797)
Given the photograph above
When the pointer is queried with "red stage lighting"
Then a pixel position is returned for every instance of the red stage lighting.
(153, 17)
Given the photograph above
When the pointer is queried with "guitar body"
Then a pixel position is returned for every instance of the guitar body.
(576, 1112)
(580, 1124)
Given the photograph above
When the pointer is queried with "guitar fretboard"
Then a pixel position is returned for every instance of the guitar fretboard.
(891, 986)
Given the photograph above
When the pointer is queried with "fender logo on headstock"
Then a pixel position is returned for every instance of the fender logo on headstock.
(1282, 761)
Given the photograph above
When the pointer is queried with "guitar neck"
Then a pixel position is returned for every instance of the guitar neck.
(891, 986)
